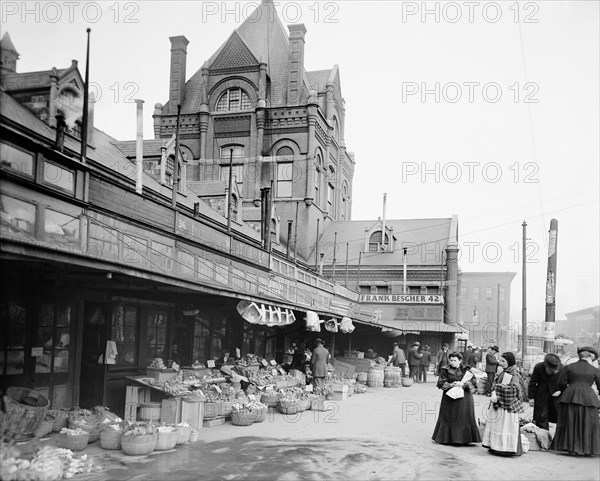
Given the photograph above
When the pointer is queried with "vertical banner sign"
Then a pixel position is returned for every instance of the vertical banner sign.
(551, 287)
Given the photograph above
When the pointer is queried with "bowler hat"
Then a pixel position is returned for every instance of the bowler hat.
(495, 348)
(552, 361)
(416, 343)
(588, 349)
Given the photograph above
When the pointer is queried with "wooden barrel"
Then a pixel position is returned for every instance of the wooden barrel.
(391, 376)
(361, 377)
(25, 411)
(150, 412)
(375, 376)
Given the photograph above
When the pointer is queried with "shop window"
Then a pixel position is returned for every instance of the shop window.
(156, 332)
(365, 289)
(124, 333)
(13, 316)
(53, 335)
(61, 228)
(17, 217)
(201, 346)
(414, 290)
(433, 290)
(58, 176)
(16, 160)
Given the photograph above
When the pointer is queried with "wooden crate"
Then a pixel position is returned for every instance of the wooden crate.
(192, 413)
(171, 410)
(209, 423)
(161, 374)
(339, 396)
(134, 396)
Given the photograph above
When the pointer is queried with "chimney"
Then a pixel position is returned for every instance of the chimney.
(296, 63)
(139, 145)
(60, 132)
(177, 82)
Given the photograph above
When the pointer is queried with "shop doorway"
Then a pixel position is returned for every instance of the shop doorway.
(92, 381)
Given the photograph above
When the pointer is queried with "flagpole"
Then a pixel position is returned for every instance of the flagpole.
(86, 85)
(176, 160)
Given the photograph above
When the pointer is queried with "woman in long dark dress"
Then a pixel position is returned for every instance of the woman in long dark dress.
(456, 420)
(578, 427)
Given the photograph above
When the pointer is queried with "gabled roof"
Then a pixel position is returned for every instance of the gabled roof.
(6, 44)
(12, 81)
(424, 238)
(105, 153)
(152, 147)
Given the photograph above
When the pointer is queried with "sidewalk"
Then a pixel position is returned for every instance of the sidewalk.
(383, 434)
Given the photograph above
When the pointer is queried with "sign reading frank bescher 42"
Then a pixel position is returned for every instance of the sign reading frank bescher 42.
(403, 298)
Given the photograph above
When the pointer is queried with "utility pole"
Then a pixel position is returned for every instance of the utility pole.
(550, 321)
(334, 249)
(229, 192)
(524, 295)
(346, 280)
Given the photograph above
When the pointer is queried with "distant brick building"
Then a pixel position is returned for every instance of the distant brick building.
(583, 326)
(484, 308)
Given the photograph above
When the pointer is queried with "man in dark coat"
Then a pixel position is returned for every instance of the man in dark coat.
(399, 359)
(491, 366)
(318, 363)
(442, 359)
(543, 384)
(413, 360)
(467, 355)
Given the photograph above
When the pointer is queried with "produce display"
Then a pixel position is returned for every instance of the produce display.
(45, 464)
(157, 363)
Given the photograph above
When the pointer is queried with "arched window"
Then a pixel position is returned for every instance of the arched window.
(234, 207)
(233, 99)
(344, 202)
(285, 172)
(331, 192)
(336, 129)
(274, 231)
(318, 179)
(375, 241)
(238, 162)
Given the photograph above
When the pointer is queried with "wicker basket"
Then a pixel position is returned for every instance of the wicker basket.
(211, 410)
(305, 404)
(289, 408)
(76, 442)
(406, 381)
(90, 425)
(261, 414)
(61, 418)
(25, 411)
(166, 440)
(44, 428)
(269, 399)
(183, 434)
(110, 438)
(243, 417)
(138, 445)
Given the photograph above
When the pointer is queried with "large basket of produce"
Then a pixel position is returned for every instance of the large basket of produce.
(45, 427)
(61, 419)
(305, 404)
(167, 438)
(211, 410)
(361, 377)
(184, 431)
(138, 445)
(243, 417)
(73, 439)
(261, 414)
(89, 424)
(270, 399)
(110, 436)
(290, 407)
(25, 409)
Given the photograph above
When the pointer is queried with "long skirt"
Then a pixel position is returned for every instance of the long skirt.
(502, 434)
(456, 421)
(577, 430)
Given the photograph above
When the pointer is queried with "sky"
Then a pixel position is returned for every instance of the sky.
(484, 110)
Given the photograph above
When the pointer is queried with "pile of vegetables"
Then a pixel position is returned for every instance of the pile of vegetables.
(133, 429)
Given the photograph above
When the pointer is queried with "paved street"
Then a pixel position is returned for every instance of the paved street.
(383, 434)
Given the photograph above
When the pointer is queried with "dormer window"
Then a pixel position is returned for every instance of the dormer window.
(375, 244)
(232, 100)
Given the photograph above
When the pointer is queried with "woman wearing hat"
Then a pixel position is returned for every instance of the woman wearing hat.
(578, 427)
(502, 435)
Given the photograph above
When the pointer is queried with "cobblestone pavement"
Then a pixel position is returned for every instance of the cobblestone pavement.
(384, 434)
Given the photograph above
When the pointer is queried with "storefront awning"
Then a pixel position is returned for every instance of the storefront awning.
(417, 327)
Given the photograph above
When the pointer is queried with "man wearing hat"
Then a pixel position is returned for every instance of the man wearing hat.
(491, 366)
(399, 359)
(442, 359)
(413, 360)
(577, 424)
(318, 363)
(542, 386)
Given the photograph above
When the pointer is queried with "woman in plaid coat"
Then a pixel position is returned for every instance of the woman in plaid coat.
(502, 434)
